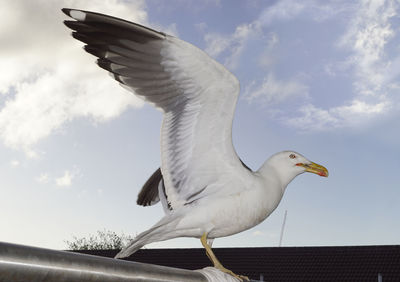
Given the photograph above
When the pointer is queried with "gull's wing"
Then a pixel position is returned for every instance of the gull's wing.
(196, 94)
(149, 194)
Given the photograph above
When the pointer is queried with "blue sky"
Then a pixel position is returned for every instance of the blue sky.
(317, 77)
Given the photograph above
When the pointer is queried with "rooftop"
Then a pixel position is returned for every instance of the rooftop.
(279, 264)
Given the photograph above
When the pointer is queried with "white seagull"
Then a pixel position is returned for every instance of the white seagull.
(205, 189)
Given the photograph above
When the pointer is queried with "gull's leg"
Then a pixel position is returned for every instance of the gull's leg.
(210, 254)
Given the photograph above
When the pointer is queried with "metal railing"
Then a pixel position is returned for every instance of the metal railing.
(24, 263)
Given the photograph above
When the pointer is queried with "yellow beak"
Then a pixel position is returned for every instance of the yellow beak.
(315, 168)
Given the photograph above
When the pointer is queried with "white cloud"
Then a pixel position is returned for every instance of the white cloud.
(231, 45)
(65, 180)
(282, 10)
(272, 91)
(270, 235)
(361, 107)
(43, 178)
(286, 10)
(50, 80)
(367, 35)
(357, 112)
(242, 34)
(313, 118)
(258, 233)
(14, 163)
(216, 43)
(372, 71)
(375, 72)
(268, 56)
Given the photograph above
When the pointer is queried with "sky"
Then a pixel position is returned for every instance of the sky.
(318, 77)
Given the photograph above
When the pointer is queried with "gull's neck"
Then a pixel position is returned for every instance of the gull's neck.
(273, 172)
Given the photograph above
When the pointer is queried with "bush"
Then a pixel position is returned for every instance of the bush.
(103, 240)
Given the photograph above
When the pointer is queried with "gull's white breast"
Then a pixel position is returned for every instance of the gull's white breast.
(225, 213)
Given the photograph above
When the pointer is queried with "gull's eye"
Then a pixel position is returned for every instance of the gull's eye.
(292, 156)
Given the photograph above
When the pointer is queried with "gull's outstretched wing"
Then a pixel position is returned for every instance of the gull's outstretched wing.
(149, 194)
(196, 94)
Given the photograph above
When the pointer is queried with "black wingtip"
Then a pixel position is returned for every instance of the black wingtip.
(94, 51)
(80, 37)
(71, 24)
(103, 63)
(66, 11)
(76, 14)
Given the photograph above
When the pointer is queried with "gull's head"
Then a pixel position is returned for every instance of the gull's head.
(289, 164)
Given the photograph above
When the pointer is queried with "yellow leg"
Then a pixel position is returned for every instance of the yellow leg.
(216, 262)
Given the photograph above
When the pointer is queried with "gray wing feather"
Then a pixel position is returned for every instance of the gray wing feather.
(149, 194)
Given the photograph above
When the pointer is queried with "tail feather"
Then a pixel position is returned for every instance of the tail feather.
(163, 230)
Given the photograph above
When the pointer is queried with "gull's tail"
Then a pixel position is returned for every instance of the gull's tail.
(163, 230)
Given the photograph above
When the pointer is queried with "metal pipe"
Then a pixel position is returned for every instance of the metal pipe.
(24, 263)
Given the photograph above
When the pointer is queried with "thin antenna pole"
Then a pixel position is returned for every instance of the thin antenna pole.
(282, 229)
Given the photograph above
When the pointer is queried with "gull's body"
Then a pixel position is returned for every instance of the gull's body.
(206, 191)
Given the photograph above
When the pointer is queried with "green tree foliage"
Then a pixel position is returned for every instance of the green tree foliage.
(102, 240)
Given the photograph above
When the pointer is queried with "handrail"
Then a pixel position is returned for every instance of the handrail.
(25, 263)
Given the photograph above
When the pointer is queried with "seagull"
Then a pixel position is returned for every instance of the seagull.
(205, 189)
